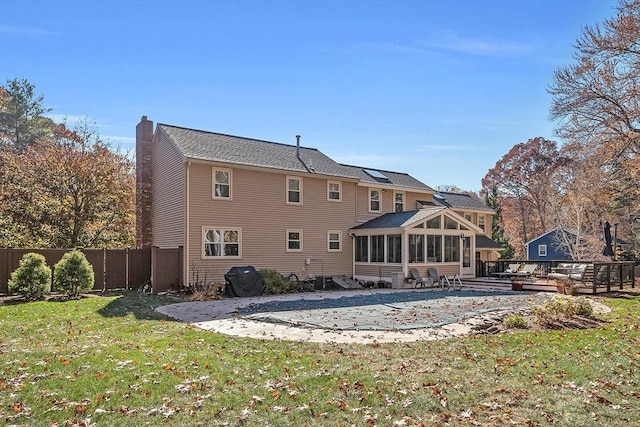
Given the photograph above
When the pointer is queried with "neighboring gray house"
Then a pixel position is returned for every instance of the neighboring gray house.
(233, 201)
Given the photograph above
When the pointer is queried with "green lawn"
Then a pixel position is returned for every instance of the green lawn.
(113, 361)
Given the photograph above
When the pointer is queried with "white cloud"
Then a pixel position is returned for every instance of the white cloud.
(449, 40)
(22, 31)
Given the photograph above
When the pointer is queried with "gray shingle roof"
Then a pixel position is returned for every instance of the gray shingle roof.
(202, 145)
(484, 242)
(398, 219)
(394, 178)
(461, 201)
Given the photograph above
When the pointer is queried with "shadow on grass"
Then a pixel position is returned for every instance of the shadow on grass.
(141, 306)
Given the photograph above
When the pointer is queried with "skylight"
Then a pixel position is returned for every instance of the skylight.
(377, 175)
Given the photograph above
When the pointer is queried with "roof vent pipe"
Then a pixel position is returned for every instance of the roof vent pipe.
(298, 146)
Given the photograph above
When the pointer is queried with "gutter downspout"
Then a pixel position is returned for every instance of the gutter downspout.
(186, 230)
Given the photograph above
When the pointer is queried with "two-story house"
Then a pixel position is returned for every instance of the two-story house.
(233, 201)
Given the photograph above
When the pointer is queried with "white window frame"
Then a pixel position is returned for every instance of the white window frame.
(222, 231)
(542, 250)
(214, 183)
(329, 191)
(395, 202)
(329, 241)
(371, 190)
(293, 178)
(287, 240)
(482, 223)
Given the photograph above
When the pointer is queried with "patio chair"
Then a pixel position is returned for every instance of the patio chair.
(421, 282)
(526, 271)
(511, 270)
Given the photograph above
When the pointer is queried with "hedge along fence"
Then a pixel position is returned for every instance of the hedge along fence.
(113, 268)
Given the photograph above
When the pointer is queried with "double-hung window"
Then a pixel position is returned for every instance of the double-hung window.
(221, 183)
(221, 242)
(398, 201)
(294, 240)
(334, 241)
(294, 190)
(374, 200)
(542, 250)
(334, 191)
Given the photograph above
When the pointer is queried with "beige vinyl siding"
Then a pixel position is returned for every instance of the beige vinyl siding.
(373, 270)
(168, 194)
(387, 202)
(260, 210)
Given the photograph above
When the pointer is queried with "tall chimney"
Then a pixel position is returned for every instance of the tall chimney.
(144, 181)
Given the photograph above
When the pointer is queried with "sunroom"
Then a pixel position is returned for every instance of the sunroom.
(429, 237)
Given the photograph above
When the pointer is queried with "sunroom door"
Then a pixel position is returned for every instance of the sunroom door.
(467, 259)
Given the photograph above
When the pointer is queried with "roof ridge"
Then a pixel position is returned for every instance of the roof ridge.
(236, 136)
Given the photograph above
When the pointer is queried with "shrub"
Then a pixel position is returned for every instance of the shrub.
(515, 321)
(32, 278)
(73, 274)
(562, 307)
(274, 283)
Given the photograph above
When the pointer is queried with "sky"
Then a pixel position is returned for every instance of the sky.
(437, 89)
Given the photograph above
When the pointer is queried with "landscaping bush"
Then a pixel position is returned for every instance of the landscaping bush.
(274, 283)
(73, 274)
(32, 278)
(516, 321)
(562, 307)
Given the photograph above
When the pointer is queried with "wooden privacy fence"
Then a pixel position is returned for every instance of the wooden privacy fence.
(113, 268)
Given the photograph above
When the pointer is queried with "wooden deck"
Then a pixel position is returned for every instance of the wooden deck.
(533, 284)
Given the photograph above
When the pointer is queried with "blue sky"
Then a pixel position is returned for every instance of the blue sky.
(438, 89)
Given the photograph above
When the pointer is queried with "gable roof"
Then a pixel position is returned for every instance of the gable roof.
(218, 147)
(408, 218)
(573, 233)
(211, 146)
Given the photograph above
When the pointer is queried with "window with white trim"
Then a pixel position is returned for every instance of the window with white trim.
(398, 201)
(294, 240)
(362, 248)
(450, 224)
(394, 248)
(452, 248)
(416, 248)
(377, 248)
(334, 191)
(294, 190)
(542, 250)
(434, 222)
(221, 242)
(374, 200)
(481, 222)
(334, 241)
(221, 183)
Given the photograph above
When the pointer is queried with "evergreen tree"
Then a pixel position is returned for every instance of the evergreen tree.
(497, 229)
